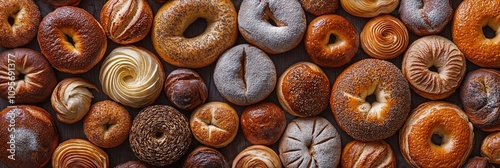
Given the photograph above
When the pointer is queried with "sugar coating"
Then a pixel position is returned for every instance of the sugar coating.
(424, 17)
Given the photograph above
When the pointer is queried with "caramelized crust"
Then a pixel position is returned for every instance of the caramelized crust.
(202, 157)
(79, 153)
(214, 124)
(490, 147)
(26, 17)
(185, 89)
(319, 7)
(384, 37)
(257, 156)
(263, 123)
(358, 154)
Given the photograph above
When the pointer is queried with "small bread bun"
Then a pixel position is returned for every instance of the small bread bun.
(257, 156)
(25, 17)
(202, 157)
(263, 123)
(214, 124)
(368, 154)
(490, 147)
(185, 89)
(71, 99)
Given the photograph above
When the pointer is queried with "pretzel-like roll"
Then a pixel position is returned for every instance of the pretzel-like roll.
(132, 76)
(79, 153)
(257, 156)
(368, 8)
(71, 99)
(384, 37)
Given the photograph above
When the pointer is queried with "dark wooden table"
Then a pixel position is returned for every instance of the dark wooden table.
(282, 61)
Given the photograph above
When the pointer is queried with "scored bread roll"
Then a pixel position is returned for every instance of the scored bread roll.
(214, 124)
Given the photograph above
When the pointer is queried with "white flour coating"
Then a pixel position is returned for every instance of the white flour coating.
(266, 36)
(414, 14)
(26, 141)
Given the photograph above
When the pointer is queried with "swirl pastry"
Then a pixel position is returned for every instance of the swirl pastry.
(384, 37)
(205, 157)
(437, 52)
(368, 8)
(257, 156)
(79, 153)
(132, 76)
(71, 99)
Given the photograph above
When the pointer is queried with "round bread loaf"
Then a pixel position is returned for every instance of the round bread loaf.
(263, 123)
(203, 156)
(185, 89)
(214, 124)
(425, 17)
(368, 154)
(490, 147)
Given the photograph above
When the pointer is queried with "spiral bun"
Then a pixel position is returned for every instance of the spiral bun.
(384, 37)
(79, 153)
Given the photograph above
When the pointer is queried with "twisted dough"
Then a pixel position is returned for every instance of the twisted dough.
(441, 53)
(368, 8)
(384, 37)
(71, 99)
(257, 156)
(79, 153)
(132, 76)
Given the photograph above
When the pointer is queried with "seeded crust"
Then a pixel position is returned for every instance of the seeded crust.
(26, 17)
(352, 87)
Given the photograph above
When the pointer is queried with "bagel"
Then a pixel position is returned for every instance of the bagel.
(467, 31)
(20, 19)
(72, 40)
(441, 119)
(426, 17)
(368, 8)
(255, 19)
(174, 17)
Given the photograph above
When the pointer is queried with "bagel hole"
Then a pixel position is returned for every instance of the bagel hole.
(158, 135)
(272, 22)
(489, 32)
(332, 39)
(437, 139)
(196, 28)
(371, 98)
(69, 39)
(107, 125)
(11, 21)
(20, 76)
(434, 69)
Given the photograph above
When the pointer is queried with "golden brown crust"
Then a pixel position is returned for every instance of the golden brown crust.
(478, 162)
(263, 123)
(71, 99)
(26, 17)
(133, 164)
(368, 154)
(214, 124)
(79, 153)
(30, 132)
(438, 52)
(384, 37)
(303, 89)
(319, 7)
(257, 156)
(467, 31)
(480, 96)
(39, 78)
(333, 54)
(126, 21)
(205, 157)
(369, 8)
(107, 124)
(59, 3)
(174, 17)
(89, 40)
(364, 120)
(185, 89)
(490, 147)
(442, 119)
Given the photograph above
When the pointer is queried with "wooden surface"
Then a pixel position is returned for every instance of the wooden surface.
(123, 152)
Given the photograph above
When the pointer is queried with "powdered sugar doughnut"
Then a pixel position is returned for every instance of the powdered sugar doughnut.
(425, 17)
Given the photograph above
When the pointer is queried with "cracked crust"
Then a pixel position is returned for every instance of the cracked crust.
(310, 142)
(214, 124)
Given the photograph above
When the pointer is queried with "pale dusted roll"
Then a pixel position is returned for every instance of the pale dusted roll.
(384, 37)
(426, 17)
(79, 153)
(368, 8)
(437, 52)
(257, 156)
(132, 76)
(71, 99)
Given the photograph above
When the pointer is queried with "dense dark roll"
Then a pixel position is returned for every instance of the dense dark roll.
(185, 89)
(478, 162)
(205, 157)
(356, 115)
(59, 3)
(160, 135)
(480, 96)
(133, 164)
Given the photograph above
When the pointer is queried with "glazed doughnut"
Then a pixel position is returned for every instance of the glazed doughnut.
(174, 17)
(319, 7)
(132, 76)
(257, 156)
(38, 82)
(107, 124)
(490, 147)
(467, 32)
(384, 37)
(436, 119)
(214, 124)
(202, 157)
(303, 89)
(29, 136)
(20, 19)
(72, 40)
(254, 21)
(334, 54)
(60, 3)
(71, 99)
(79, 153)
(480, 96)
(425, 17)
(438, 52)
(245, 75)
(356, 114)
(368, 154)
(185, 89)
(126, 21)
(313, 140)
(160, 135)
(369, 8)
